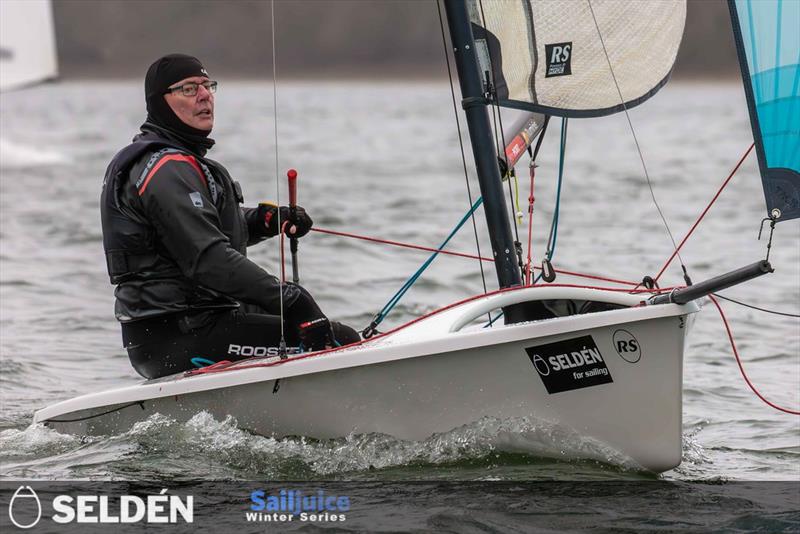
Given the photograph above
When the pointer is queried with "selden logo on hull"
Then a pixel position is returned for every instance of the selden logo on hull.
(570, 364)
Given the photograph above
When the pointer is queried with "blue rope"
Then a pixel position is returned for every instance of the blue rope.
(551, 249)
(493, 319)
(410, 282)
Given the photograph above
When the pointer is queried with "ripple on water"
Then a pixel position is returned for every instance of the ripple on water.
(205, 447)
(34, 441)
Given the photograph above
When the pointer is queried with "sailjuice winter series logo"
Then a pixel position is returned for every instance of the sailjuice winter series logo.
(294, 505)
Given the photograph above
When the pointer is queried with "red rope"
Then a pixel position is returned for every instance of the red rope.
(739, 362)
(531, 199)
(728, 179)
(399, 244)
(594, 277)
(463, 255)
(233, 366)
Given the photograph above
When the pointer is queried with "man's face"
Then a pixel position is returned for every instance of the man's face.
(197, 111)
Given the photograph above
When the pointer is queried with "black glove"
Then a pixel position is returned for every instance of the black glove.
(299, 221)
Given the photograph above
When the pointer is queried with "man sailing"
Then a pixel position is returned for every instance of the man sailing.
(175, 237)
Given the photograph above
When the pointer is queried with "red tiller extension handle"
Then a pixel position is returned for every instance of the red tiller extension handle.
(292, 175)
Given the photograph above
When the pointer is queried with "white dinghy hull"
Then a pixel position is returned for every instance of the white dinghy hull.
(621, 385)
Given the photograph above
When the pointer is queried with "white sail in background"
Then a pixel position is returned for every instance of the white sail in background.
(574, 57)
(27, 43)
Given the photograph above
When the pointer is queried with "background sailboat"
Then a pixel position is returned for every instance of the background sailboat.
(27, 43)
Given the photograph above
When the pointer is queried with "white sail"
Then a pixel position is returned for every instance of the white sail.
(575, 57)
(27, 43)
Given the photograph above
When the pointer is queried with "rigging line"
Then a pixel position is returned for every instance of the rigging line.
(635, 139)
(740, 303)
(531, 200)
(741, 367)
(460, 142)
(399, 244)
(691, 230)
(463, 255)
(553, 236)
(413, 278)
(551, 239)
(277, 172)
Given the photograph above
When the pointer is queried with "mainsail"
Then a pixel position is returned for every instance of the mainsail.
(27, 43)
(577, 58)
(768, 44)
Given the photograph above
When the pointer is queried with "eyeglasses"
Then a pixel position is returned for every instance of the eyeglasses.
(190, 89)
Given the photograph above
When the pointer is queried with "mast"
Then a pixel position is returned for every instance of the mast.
(475, 106)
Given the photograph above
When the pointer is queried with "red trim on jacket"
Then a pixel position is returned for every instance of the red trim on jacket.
(172, 157)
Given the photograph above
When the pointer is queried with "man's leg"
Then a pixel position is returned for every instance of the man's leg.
(306, 318)
(164, 346)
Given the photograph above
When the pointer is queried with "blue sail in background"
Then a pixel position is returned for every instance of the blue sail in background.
(767, 34)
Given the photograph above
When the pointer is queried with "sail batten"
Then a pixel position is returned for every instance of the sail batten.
(768, 46)
(577, 58)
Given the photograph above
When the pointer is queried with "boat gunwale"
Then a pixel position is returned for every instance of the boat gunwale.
(347, 357)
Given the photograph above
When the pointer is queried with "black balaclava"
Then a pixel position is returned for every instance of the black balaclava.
(160, 76)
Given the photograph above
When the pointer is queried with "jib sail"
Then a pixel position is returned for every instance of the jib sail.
(577, 58)
(768, 44)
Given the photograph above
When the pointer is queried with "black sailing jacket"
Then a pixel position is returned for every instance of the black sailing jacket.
(175, 234)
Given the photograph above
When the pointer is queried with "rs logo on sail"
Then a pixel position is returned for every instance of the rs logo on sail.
(558, 59)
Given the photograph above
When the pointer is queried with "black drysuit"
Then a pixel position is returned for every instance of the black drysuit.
(175, 237)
